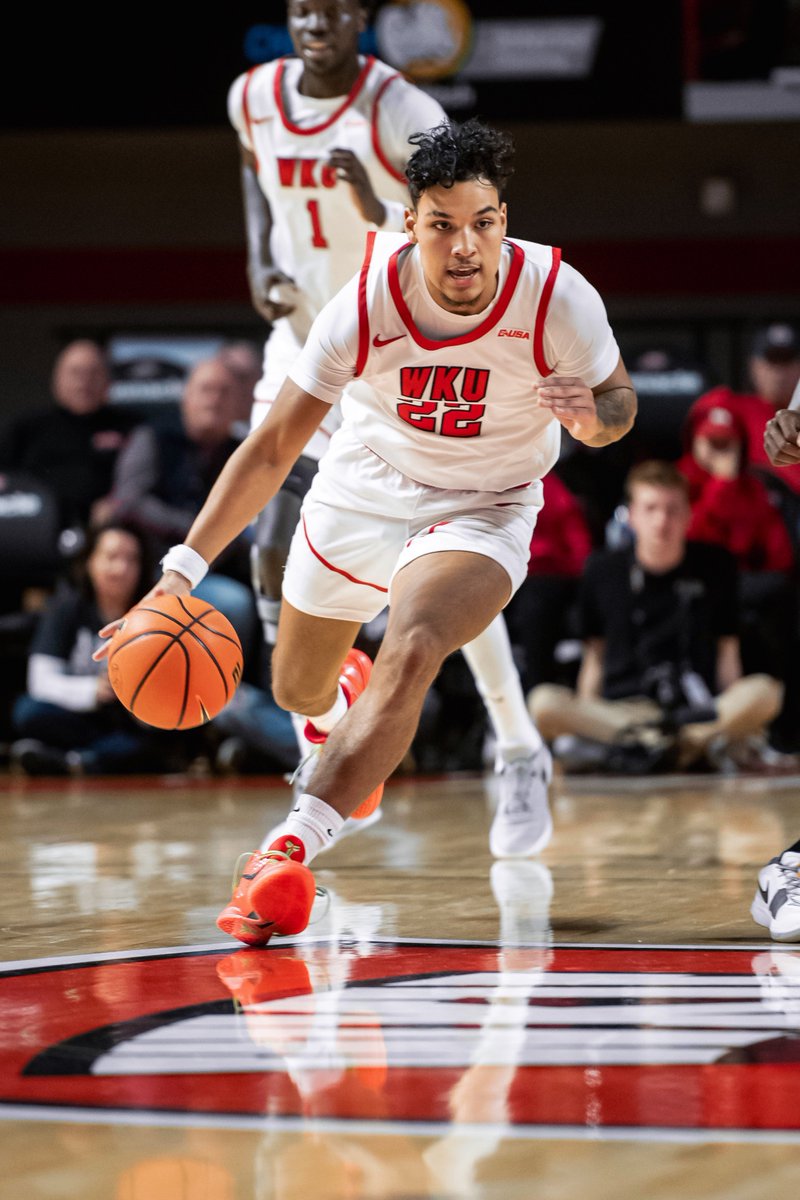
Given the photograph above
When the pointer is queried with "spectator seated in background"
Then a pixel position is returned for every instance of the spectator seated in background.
(71, 446)
(70, 721)
(539, 613)
(245, 361)
(774, 367)
(166, 471)
(661, 681)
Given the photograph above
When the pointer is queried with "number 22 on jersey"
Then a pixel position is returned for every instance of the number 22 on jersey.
(458, 390)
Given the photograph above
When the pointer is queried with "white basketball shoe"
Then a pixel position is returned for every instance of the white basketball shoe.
(776, 904)
(522, 824)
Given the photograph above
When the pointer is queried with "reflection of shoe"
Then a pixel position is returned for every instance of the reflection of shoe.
(353, 678)
(523, 891)
(522, 824)
(778, 974)
(274, 894)
(252, 977)
(258, 983)
(36, 758)
(776, 904)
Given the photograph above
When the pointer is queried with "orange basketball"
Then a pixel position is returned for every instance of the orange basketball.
(176, 662)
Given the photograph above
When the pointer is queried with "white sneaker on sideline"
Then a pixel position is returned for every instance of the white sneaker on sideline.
(776, 904)
(522, 824)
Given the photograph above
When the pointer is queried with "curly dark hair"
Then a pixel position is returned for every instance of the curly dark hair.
(451, 153)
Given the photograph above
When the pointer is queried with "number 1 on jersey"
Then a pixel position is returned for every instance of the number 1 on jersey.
(318, 239)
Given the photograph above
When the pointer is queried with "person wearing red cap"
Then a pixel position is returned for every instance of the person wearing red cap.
(730, 506)
(733, 508)
(774, 367)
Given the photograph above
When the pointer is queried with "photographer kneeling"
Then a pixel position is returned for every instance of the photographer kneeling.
(661, 682)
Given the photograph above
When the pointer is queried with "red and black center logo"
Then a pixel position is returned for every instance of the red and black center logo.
(601, 1037)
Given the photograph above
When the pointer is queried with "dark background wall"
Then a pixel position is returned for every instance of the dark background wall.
(121, 209)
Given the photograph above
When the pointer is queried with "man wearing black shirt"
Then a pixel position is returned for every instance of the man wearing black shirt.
(660, 623)
(72, 445)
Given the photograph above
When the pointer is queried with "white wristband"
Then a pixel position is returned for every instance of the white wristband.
(186, 562)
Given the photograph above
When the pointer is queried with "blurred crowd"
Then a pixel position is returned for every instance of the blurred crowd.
(657, 629)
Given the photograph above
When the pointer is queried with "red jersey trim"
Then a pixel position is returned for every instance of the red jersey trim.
(541, 316)
(363, 311)
(339, 570)
(334, 117)
(376, 141)
(496, 315)
(248, 120)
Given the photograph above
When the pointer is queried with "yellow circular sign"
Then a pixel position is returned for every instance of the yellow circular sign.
(425, 39)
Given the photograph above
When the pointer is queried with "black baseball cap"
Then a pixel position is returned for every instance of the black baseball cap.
(777, 343)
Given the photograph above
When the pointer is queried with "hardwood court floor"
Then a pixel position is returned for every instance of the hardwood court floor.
(607, 1017)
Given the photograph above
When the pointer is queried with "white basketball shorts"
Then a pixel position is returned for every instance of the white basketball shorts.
(362, 521)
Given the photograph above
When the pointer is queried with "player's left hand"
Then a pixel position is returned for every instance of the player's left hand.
(572, 403)
(171, 583)
(351, 169)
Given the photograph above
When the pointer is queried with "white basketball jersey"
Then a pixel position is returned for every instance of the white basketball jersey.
(317, 234)
(460, 413)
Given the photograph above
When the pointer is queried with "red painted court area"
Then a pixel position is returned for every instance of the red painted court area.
(604, 1038)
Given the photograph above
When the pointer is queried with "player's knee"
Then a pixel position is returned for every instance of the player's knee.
(767, 696)
(294, 695)
(413, 658)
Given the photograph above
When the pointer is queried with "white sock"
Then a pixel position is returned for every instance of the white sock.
(325, 722)
(497, 679)
(314, 822)
(299, 725)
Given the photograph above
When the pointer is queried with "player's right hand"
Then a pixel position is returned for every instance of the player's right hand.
(782, 438)
(171, 583)
(273, 294)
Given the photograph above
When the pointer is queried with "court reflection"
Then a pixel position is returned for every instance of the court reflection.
(406, 1035)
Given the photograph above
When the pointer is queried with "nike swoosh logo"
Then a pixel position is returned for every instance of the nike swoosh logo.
(379, 341)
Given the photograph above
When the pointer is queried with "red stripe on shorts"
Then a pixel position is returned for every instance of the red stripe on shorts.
(338, 570)
(425, 532)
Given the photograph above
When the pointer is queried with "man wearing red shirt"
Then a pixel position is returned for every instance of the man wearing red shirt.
(775, 372)
(730, 506)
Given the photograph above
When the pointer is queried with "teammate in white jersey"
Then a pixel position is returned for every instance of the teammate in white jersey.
(504, 327)
(324, 139)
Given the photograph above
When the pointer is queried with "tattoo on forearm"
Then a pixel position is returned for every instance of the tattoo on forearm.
(615, 411)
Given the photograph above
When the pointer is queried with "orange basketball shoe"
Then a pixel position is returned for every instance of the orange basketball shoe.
(274, 894)
(353, 678)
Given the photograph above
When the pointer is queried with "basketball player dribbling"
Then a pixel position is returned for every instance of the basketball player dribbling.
(324, 140)
(460, 353)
